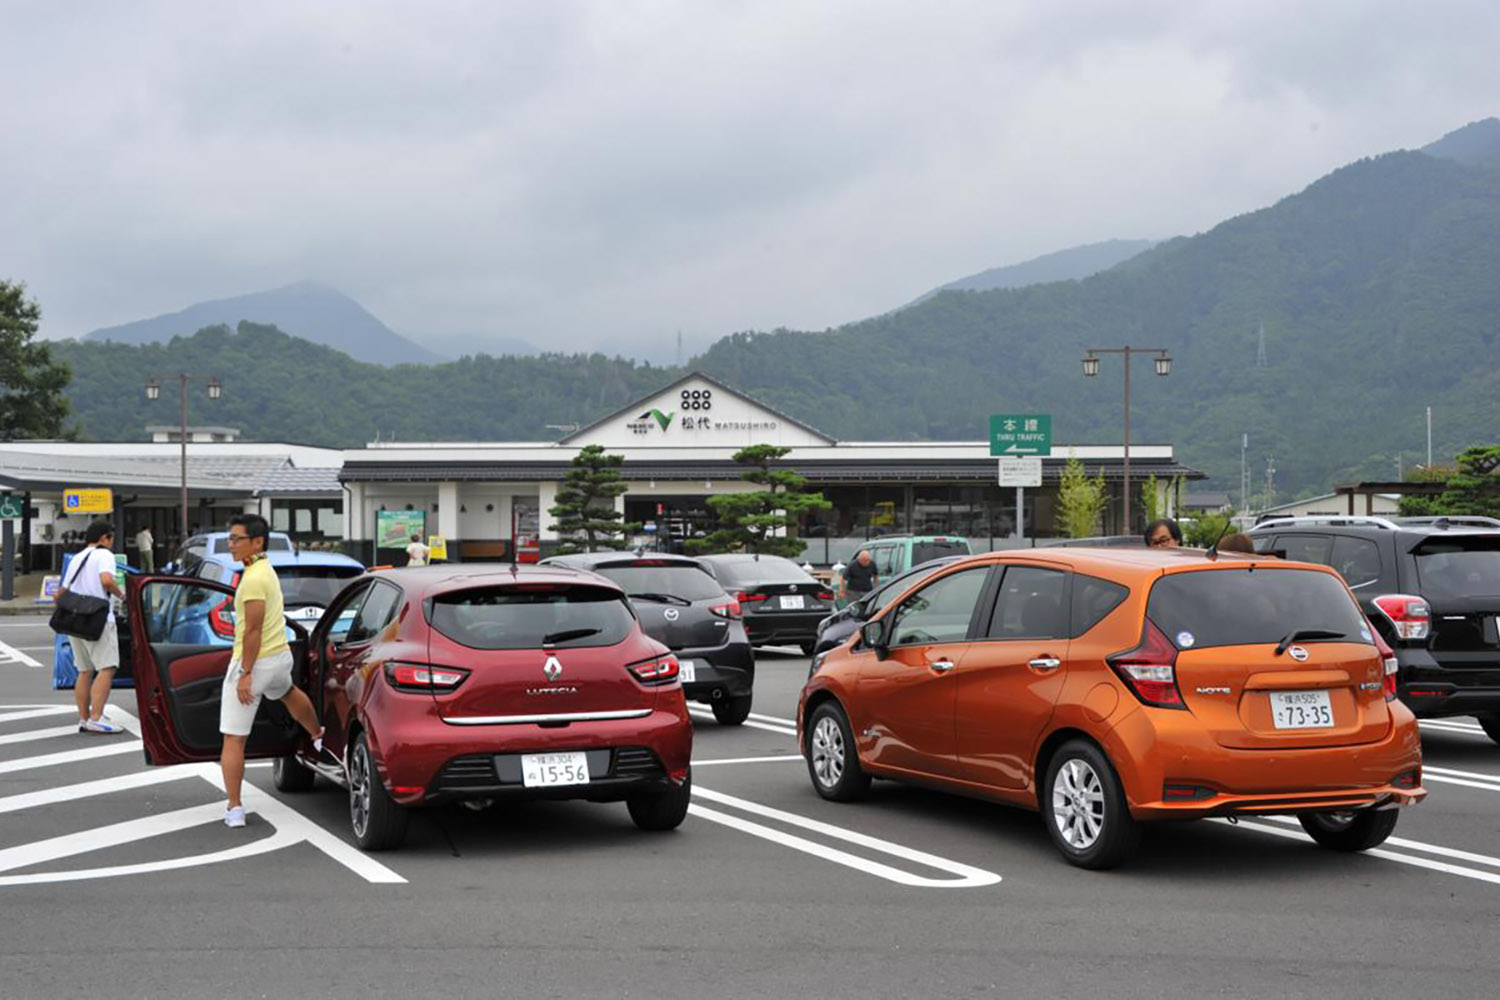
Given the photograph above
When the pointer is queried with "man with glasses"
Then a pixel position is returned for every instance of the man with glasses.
(1164, 533)
(261, 665)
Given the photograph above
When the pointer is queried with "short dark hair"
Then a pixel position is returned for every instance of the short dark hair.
(255, 527)
(1172, 528)
(1237, 542)
(97, 530)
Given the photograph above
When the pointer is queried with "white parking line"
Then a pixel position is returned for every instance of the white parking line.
(745, 760)
(40, 734)
(36, 712)
(84, 841)
(113, 747)
(103, 786)
(10, 654)
(1388, 855)
(707, 714)
(965, 875)
(1469, 779)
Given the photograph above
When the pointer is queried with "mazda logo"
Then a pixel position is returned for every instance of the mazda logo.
(670, 614)
(1298, 653)
(552, 669)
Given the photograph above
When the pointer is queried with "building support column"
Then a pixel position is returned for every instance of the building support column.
(447, 519)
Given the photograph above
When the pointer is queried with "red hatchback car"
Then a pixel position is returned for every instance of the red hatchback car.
(434, 685)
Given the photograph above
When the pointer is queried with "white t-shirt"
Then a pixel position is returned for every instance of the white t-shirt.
(97, 561)
(416, 554)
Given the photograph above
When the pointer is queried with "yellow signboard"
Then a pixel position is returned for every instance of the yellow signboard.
(437, 548)
(88, 501)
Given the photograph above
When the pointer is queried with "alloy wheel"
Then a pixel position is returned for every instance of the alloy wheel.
(828, 751)
(1078, 804)
(359, 790)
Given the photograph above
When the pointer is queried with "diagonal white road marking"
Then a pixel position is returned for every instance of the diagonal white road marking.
(37, 712)
(114, 834)
(40, 734)
(1378, 852)
(10, 654)
(264, 845)
(966, 875)
(108, 746)
(746, 760)
(707, 715)
(86, 789)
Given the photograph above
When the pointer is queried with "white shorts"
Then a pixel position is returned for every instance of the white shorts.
(271, 677)
(102, 653)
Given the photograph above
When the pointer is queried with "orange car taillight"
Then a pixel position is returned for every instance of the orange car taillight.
(1410, 616)
(1150, 669)
(1390, 665)
(423, 677)
(730, 610)
(660, 670)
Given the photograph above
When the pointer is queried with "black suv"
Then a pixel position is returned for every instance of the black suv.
(1432, 588)
(684, 608)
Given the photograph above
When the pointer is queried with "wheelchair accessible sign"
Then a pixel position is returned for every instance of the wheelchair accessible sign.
(88, 501)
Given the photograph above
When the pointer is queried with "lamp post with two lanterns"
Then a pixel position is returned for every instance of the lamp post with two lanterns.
(153, 392)
(1091, 368)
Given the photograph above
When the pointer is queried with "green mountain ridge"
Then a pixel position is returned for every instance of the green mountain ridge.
(1375, 285)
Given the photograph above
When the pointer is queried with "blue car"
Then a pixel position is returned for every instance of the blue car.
(64, 671)
(309, 582)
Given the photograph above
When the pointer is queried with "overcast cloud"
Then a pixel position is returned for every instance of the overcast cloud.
(603, 174)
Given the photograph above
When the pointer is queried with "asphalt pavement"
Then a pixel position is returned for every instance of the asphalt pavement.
(118, 880)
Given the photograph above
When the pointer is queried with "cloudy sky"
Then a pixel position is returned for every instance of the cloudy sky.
(602, 174)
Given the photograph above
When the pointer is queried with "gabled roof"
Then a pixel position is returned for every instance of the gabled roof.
(690, 376)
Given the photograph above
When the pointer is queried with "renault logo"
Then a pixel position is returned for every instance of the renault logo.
(552, 669)
(670, 614)
(1298, 653)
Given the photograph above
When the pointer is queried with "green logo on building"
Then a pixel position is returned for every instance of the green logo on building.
(664, 419)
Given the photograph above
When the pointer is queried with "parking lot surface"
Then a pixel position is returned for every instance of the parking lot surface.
(118, 879)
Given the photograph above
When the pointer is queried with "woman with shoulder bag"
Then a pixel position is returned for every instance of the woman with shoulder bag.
(97, 658)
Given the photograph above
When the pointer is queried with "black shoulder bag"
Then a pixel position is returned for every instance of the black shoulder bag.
(80, 615)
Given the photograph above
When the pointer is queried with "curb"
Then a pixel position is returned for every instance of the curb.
(36, 612)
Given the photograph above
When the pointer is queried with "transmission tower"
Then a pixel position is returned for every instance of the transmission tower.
(1244, 474)
(1260, 349)
(1270, 483)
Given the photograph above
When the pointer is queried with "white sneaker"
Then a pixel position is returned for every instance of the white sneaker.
(234, 816)
(100, 726)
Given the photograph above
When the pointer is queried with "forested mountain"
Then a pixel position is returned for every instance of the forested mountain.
(307, 309)
(1064, 265)
(1378, 288)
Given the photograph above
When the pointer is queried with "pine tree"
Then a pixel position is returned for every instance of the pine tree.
(32, 404)
(760, 521)
(585, 503)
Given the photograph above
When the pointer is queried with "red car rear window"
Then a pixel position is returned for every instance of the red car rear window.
(529, 617)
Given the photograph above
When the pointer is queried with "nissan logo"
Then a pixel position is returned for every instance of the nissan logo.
(670, 614)
(1298, 653)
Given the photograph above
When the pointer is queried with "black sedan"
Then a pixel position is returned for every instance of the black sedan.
(833, 630)
(782, 604)
(684, 608)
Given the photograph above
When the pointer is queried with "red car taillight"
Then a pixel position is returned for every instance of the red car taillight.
(660, 670)
(730, 610)
(748, 598)
(423, 677)
(1150, 669)
(1410, 616)
(825, 595)
(218, 619)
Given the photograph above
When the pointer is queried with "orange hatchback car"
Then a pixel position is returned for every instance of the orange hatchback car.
(1106, 687)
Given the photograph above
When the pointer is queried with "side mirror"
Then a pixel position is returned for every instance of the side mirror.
(872, 634)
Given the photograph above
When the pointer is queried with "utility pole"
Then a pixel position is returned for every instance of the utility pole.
(1244, 474)
(1429, 437)
(1270, 483)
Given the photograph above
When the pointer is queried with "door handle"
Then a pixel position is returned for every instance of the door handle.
(1045, 663)
(942, 666)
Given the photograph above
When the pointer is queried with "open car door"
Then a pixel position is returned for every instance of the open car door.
(182, 638)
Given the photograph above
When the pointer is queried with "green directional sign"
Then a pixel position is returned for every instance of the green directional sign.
(1013, 434)
(11, 505)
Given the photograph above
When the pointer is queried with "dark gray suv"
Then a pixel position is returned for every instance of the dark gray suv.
(684, 608)
(1431, 586)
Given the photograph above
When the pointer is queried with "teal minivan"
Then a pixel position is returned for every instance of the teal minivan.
(895, 554)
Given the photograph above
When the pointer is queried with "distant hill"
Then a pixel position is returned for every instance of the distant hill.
(1063, 265)
(456, 345)
(1476, 144)
(307, 309)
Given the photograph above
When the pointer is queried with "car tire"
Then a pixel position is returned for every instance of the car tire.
(832, 760)
(1084, 808)
(1490, 723)
(663, 809)
(378, 821)
(731, 711)
(1349, 831)
(289, 775)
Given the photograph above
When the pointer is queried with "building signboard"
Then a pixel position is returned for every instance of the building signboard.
(88, 501)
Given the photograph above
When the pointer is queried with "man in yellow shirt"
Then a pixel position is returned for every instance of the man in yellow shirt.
(261, 665)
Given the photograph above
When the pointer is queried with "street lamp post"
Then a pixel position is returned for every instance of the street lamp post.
(1163, 364)
(153, 392)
